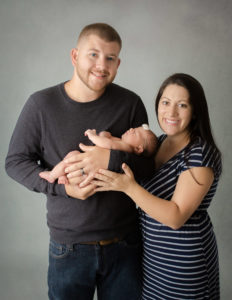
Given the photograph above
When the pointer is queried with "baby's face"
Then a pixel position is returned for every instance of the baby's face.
(134, 136)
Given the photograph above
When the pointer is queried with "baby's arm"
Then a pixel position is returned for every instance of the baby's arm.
(104, 139)
(105, 134)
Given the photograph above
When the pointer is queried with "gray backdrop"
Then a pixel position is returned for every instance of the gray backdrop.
(160, 37)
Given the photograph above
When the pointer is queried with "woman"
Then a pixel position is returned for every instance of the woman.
(180, 258)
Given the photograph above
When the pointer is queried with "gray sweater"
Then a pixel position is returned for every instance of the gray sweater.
(51, 125)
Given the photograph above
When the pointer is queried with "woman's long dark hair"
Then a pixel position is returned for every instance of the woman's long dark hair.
(200, 124)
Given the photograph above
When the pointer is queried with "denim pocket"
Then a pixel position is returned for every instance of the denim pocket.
(57, 250)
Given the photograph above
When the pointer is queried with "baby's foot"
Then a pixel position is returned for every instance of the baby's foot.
(63, 180)
(47, 176)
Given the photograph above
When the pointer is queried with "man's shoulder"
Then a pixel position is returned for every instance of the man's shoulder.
(47, 92)
(46, 97)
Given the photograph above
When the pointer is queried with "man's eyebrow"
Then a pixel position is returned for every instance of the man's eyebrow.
(109, 54)
(112, 54)
(93, 49)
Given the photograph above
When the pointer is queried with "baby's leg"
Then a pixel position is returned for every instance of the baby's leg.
(63, 179)
(55, 173)
(58, 171)
(47, 176)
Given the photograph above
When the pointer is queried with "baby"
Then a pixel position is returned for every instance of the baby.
(140, 140)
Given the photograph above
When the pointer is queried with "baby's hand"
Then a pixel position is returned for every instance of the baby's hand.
(90, 132)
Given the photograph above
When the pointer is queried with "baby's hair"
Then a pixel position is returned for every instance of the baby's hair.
(150, 144)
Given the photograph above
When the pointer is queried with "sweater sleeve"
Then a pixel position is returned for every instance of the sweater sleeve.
(141, 166)
(24, 159)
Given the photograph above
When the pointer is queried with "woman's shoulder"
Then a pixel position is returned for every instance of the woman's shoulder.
(200, 153)
(201, 147)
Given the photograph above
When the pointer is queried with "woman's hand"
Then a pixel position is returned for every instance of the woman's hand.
(89, 162)
(111, 181)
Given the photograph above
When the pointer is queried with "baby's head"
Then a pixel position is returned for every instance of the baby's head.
(150, 141)
(142, 140)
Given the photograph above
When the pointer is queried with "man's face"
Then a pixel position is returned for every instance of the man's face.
(96, 63)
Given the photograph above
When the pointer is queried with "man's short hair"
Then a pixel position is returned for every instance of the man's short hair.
(103, 30)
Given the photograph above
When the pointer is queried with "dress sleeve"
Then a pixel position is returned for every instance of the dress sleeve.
(201, 154)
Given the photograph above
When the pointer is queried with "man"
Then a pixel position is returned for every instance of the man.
(94, 243)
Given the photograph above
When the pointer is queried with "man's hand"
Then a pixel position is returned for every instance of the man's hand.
(80, 193)
(89, 162)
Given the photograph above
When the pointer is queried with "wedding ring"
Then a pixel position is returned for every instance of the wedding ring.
(82, 172)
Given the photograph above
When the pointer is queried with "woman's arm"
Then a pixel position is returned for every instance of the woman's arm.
(174, 213)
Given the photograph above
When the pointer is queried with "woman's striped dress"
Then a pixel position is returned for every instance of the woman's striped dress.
(181, 264)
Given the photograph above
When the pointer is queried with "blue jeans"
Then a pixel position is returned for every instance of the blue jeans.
(115, 270)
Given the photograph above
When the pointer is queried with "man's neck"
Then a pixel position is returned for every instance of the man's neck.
(81, 93)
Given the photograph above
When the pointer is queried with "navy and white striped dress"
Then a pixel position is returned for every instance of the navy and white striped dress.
(181, 264)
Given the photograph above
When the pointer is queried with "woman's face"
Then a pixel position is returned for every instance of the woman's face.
(174, 110)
